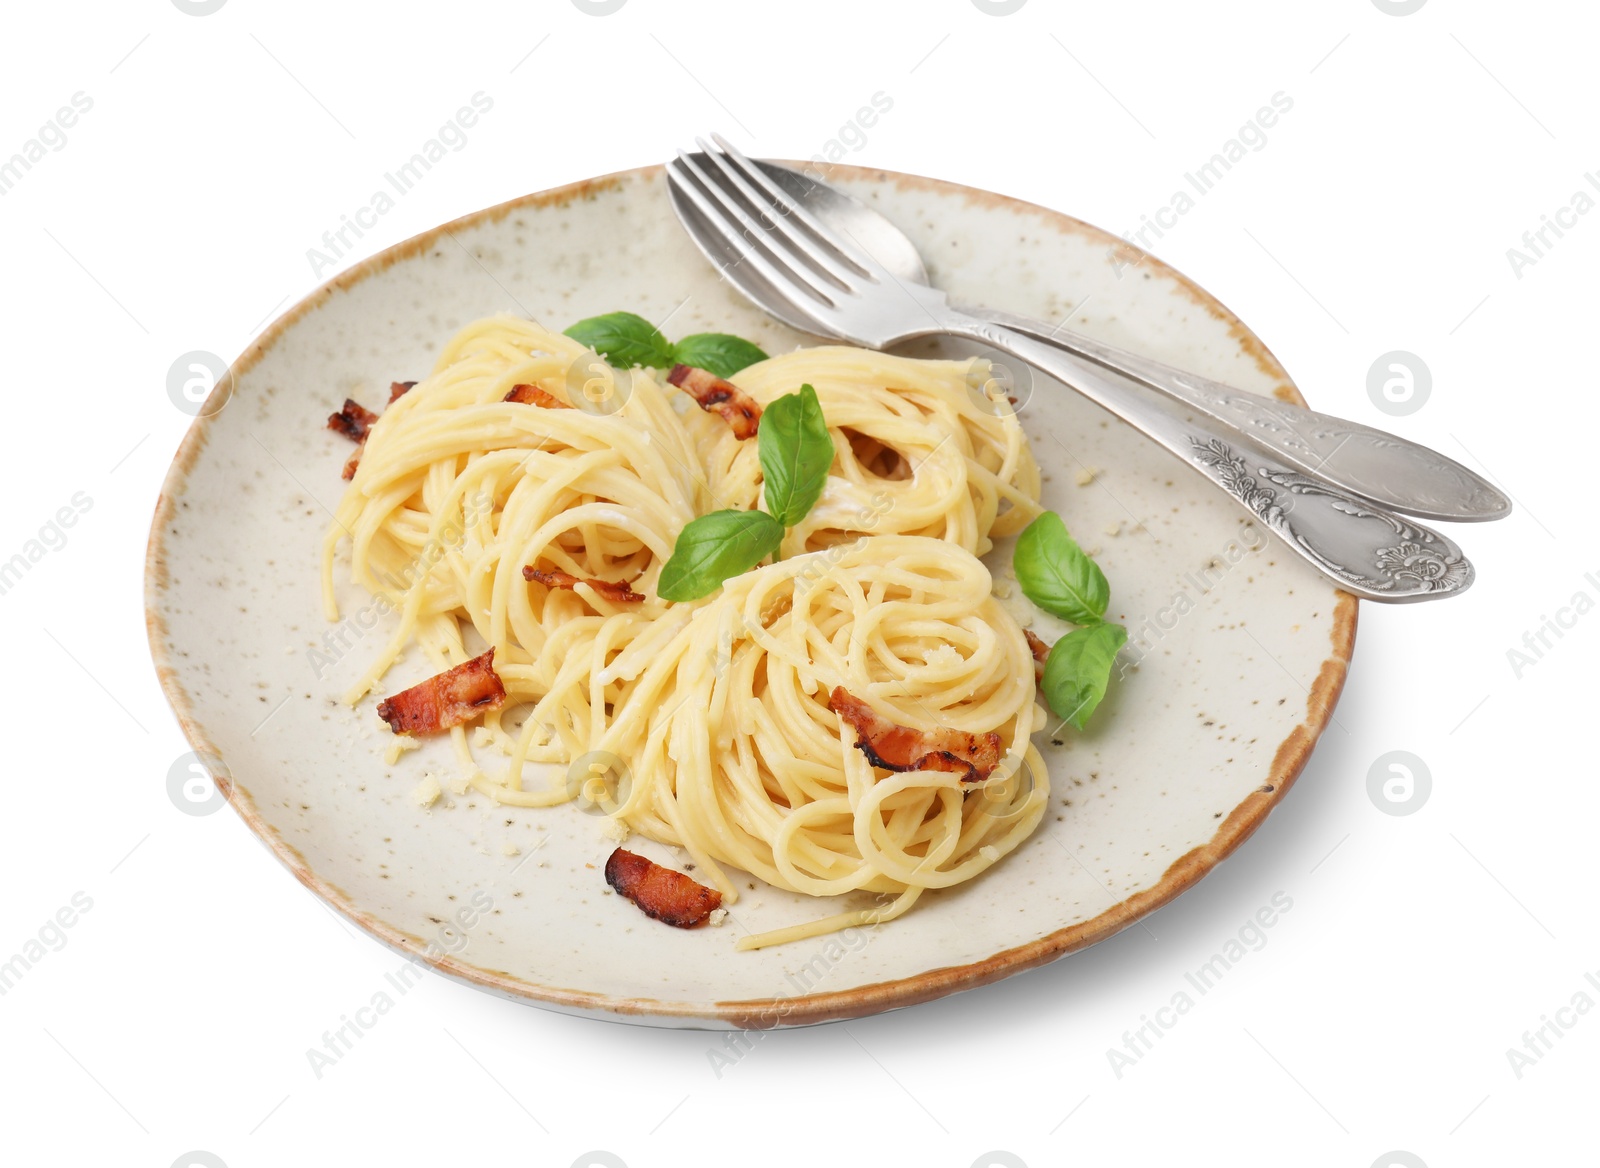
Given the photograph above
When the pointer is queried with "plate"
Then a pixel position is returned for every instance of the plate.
(1237, 653)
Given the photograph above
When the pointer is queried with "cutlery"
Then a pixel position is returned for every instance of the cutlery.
(801, 270)
(1363, 461)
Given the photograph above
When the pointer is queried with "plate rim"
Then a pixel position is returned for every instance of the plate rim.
(1288, 760)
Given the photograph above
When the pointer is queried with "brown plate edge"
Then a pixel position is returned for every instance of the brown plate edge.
(1288, 761)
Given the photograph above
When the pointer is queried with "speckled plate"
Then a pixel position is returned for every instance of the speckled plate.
(1240, 652)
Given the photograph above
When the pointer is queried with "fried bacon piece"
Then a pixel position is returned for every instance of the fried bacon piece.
(614, 591)
(1041, 653)
(353, 421)
(446, 699)
(737, 408)
(900, 748)
(532, 395)
(661, 894)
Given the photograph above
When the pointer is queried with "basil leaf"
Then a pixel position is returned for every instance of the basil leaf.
(624, 339)
(1056, 574)
(1079, 668)
(720, 353)
(796, 451)
(713, 548)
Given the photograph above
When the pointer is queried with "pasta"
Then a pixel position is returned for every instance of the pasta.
(457, 490)
(538, 527)
(735, 756)
(920, 455)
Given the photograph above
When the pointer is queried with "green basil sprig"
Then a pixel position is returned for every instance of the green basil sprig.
(714, 547)
(721, 353)
(1079, 669)
(626, 339)
(796, 451)
(1058, 576)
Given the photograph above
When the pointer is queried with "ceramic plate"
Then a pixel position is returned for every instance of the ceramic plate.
(1240, 650)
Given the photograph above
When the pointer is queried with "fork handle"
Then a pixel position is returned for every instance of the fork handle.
(1373, 464)
(1361, 547)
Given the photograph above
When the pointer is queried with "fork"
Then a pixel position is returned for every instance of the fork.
(801, 269)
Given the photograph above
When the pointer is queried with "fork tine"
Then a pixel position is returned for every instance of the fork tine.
(718, 204)
(849, 249)
(777, 212)
(803, 295)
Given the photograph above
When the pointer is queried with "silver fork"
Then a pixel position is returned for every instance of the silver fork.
(1371, 464)
(799, 269)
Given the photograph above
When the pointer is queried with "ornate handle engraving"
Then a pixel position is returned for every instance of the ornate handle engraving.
(1419, 561)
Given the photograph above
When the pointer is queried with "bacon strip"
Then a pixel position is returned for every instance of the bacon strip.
(1041, 653)
(737, 408)
(353, 421)
(661, 894)
(447, 699)
(900, 748)
(532, 395)
(614, 591)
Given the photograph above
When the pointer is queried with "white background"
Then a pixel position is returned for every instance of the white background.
(1420, 948)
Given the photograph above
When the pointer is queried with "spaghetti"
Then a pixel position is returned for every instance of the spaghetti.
(536, 505)
(919, 451)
